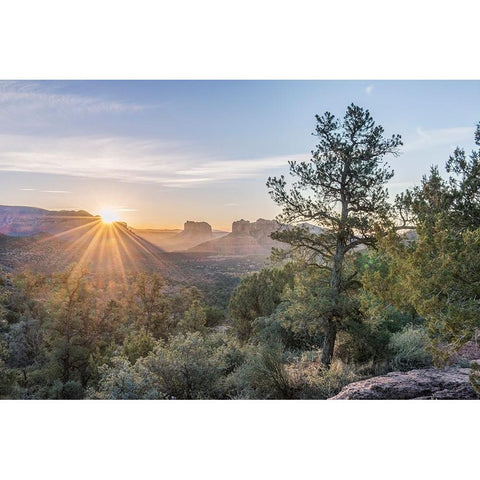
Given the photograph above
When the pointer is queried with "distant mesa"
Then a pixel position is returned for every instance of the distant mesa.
(247, 238)
(193, 233)
(241, 227)
(196, 229)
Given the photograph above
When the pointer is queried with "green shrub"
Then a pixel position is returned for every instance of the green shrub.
(185, 367)
(257, 295)
(214, 316)
(409, 348)
(362, 342)
(70, 390)
(138, 345)
(275, 329)
(124, 381)
(263, 375)
(188, 366)
(475, 376)
(194, 319)
(6, 379)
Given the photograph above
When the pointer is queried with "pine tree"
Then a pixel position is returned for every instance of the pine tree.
(341, 189)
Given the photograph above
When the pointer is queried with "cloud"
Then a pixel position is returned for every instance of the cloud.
(24, 97)
(369, 89)
(429, 139)
(240, 168)
(128, 160)
(27, 189)
(170, 165)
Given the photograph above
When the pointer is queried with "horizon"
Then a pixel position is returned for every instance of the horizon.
(115, 219)
(158, 153)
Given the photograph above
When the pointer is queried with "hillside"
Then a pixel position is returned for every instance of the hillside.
(19, 221)
(112, 250)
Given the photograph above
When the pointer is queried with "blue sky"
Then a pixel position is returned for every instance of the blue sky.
(163, 152)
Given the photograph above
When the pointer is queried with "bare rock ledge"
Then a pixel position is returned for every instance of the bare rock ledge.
(449, 383)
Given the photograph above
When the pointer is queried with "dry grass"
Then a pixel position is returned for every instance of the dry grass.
(309, 379)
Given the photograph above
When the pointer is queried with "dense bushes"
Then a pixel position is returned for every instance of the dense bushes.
(258, 295)
(263, 374)
(62, 338)
(409, 348)
(192, 366)
(188, 366)
(60, 334)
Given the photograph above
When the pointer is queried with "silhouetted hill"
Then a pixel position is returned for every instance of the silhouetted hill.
(20, 221)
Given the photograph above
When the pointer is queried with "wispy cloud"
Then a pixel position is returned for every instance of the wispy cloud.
(128, 160)
(369, 89)
(20, 97)
(428, 139)
(27, 189)
(240, 168)
(171, 165)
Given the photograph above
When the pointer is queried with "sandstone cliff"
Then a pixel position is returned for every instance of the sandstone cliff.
(247, 238)
(196, 229)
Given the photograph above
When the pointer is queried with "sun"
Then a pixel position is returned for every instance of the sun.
(108, 215)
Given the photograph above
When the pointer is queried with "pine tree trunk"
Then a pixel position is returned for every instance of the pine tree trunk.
(331, 324)
(329, 343)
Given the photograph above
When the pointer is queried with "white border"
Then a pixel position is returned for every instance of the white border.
(189, 39)
(239, 40)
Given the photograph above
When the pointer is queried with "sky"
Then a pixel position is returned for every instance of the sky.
(160, 153)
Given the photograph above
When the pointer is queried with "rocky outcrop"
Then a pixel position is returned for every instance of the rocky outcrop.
(200, 229)
(261, 229)
(451, 383)
(241, 227)
(193, 233)
(247, 238)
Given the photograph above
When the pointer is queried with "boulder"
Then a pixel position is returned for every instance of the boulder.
(451, 383)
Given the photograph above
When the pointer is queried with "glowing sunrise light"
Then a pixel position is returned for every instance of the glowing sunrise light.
(108, 215)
